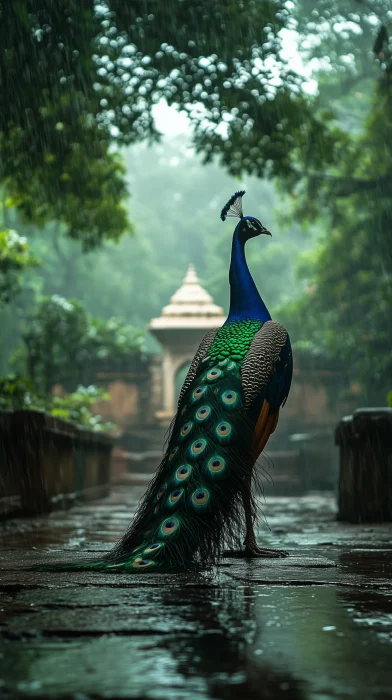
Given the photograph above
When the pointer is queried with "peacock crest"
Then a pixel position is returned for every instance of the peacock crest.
(234, 206)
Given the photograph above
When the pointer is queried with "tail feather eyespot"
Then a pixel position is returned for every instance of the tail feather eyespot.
(230, 398)
(198, 392)
(200, 497)
(141, 563)
(153, 548)
(213, 374)
(216, 465)
(175, 496)
(183, 472)
(170, 526)
(223, 430)
(198, 446)
(203, 413)
(186, 429)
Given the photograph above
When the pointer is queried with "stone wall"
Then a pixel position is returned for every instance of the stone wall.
(300, 454)
(314, 404)
(47, 463)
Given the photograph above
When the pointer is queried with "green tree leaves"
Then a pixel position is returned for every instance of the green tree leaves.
(78, 76)
(347, 313)
(63, 344)
(14, 258)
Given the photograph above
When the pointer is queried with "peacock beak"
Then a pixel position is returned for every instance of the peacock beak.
(264, 229)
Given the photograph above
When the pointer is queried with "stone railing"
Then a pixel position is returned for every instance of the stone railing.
(365, 480)
(47, 463)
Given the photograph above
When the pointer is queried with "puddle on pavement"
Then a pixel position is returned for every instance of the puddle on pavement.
(238, 641)
(256, 642)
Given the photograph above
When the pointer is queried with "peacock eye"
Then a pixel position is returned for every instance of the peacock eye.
(216, 465)
(153, 548)
(229, 398)
(213, 374)
(200, 497)
(173, 452)
(198, 392)
(198, 446)
(203, 413)
(175, 496)
(183, 472)
(186, 429)
(169, 526)
(223, 429)
(141, 563)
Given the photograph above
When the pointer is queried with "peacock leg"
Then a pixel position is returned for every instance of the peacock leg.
(252, 550)
(251, 547)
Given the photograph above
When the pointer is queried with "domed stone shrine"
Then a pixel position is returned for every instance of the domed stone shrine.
(179, 329)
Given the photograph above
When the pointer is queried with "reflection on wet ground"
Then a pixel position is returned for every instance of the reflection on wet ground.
(314, 626)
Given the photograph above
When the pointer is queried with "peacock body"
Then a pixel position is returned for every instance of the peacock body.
(200, 498)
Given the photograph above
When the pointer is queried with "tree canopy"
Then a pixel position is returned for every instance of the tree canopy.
(346, 310)
(78, 76)
(63, 344)
(79, 81)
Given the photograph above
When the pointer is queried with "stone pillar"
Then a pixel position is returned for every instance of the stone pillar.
(168, 383)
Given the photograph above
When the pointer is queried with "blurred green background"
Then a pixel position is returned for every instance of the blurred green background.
(124, 129)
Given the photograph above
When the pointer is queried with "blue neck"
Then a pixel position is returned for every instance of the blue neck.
(245, 301)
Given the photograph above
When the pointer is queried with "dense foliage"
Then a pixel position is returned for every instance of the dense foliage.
(351, 274)
(17, 394)
(15, 257)
(63, 344)
(346, 311)
(78, 75)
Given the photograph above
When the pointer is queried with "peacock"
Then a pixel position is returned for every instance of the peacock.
(200, 498)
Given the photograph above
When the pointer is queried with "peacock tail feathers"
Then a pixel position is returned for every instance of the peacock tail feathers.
(194, 503)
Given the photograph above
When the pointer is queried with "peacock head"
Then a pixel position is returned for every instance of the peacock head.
(249, 226)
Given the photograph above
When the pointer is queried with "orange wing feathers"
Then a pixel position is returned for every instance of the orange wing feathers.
(265, 426)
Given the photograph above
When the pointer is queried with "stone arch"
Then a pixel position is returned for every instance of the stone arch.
(171, 365)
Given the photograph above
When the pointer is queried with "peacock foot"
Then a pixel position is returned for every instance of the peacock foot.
(254, 551)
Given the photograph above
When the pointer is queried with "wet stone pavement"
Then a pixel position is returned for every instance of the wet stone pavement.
(316, 625)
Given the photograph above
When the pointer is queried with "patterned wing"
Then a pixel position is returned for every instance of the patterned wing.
(261, 360)
(201, 353)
